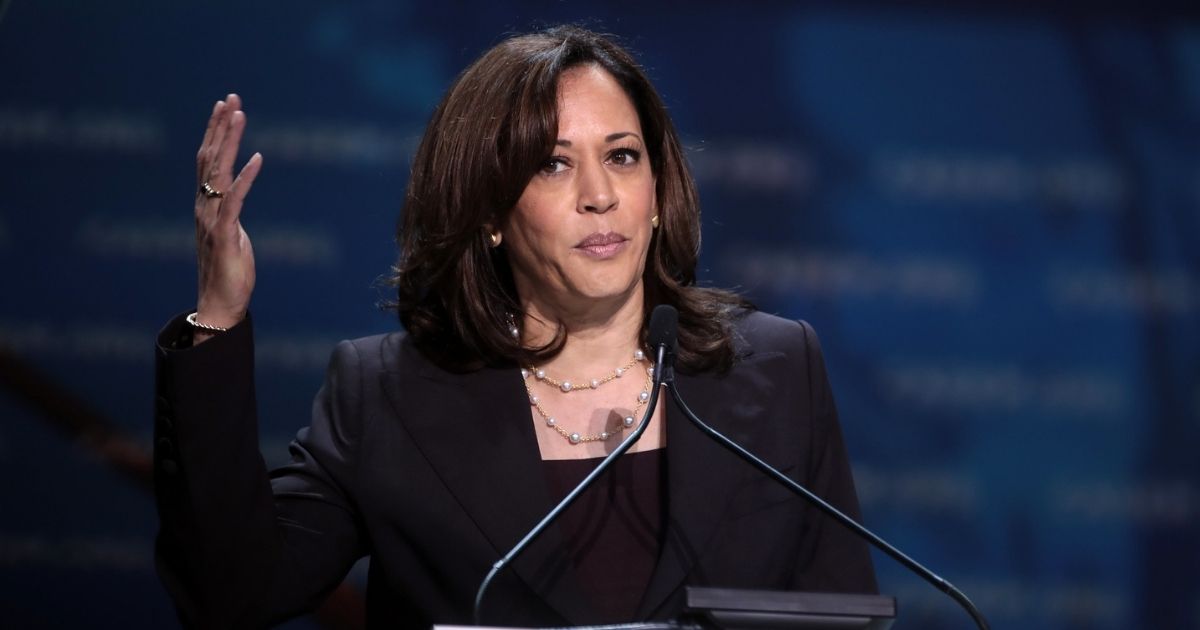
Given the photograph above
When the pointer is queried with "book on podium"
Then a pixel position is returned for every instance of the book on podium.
(750, 610)
(741, 609)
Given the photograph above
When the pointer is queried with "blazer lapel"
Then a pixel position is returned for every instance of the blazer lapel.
(702, 475)
(476, 432)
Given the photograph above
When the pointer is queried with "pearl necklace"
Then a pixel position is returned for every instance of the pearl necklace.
(575, 437)
(568, 386)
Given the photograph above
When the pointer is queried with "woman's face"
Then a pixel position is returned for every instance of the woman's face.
(581, 229)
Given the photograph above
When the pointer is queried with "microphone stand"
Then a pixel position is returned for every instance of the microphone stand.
(899, 556)
(583, 485)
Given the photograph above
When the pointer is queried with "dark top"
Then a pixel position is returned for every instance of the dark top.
(436, 474)
(613, 531)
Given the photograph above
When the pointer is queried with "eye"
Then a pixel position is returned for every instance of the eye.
(554, 165)
(625, 157)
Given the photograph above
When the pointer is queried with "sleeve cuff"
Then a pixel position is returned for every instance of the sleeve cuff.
(176, 335)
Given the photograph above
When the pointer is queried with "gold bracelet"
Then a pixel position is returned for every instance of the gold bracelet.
(191, 319)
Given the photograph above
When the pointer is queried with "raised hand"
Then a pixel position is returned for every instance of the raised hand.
(223, 252)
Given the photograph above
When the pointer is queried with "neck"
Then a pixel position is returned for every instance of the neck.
(597, 335)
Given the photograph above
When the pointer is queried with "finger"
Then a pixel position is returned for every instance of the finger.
(202, 155)
(212, 123)
(216, 171)
(231, 209)
(229, 147)
(232, 104)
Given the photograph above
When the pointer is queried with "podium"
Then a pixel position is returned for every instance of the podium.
(740, 609)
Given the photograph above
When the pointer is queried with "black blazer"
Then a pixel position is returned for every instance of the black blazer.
(435, 475)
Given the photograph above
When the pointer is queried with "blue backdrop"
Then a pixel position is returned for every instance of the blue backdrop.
(990, 214)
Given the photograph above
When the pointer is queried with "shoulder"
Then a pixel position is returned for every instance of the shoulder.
(387, 352)
(758, 333)
(395, 353)
(358, 370)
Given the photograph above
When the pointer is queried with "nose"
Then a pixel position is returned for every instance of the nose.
(596, 191)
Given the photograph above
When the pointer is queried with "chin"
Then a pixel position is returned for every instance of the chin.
(608, 291)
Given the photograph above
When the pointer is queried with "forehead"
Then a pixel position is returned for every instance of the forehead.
(591, 100)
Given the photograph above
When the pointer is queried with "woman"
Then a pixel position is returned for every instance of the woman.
(549, 208)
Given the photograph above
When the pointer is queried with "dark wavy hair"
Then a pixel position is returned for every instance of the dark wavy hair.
(490, 134)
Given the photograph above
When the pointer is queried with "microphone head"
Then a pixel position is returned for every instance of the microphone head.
(664, 327)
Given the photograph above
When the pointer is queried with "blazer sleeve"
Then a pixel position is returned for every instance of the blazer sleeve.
(832, 557)
(238, 546)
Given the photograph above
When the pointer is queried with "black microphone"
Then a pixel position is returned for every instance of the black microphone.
(821, 504)
(663, 338)
(664, 323)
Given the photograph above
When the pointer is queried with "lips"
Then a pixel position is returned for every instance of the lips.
(601, 245)
(608, 238)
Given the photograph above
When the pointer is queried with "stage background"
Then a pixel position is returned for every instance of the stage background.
(989, 213)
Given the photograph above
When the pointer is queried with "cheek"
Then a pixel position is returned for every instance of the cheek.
(648, 197)
(533, 236)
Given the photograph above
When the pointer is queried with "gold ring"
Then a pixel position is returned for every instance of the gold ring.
(210, 192)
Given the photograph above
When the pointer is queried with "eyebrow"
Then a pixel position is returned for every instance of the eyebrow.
(609, 138)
